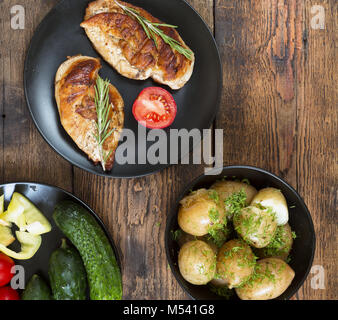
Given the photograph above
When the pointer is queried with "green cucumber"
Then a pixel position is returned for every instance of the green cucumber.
(36, 289)
(67, 274)
(82, 229)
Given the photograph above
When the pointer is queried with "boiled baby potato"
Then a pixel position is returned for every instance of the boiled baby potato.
(274, 199)
(280, 246)
(256, 226)
(209, 242)
(197, 262)
(198, 212)
(272, 277)
(186, 237)
(227, 188)
(235, 263)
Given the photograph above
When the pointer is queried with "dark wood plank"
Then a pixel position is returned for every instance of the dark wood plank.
(272, 104)
(317, 166)
(254, 115)
(258, 112)
(135, 212)
(26, 156)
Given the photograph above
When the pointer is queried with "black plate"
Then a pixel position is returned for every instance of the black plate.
(303, 248)
(45, 198)
(60, 35)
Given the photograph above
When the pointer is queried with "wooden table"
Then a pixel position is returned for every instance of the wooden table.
(278, 110)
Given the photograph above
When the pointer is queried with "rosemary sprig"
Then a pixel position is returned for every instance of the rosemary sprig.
(151, 29)
(103, 107)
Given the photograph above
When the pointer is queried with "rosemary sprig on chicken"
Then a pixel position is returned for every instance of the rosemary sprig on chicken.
(152, 30)
(103, 108)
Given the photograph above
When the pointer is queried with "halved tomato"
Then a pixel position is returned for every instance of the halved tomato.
(155, 108)
(7, 293)
(6, 264)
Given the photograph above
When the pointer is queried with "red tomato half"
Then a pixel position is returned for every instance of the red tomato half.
(7, 293)
(6, 264)
(155, 108)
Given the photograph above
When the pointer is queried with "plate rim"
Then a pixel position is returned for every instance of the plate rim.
(159, 167)
(85, 205)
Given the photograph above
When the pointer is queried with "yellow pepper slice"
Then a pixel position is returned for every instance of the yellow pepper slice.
(2, 203)
(2, 213)
(26, 216)
(30, 244)
(6, 237)
(14, 214)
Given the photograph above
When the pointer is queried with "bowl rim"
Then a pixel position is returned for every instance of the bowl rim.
(193, 183)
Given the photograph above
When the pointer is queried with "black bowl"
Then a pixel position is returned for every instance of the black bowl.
(300, 221)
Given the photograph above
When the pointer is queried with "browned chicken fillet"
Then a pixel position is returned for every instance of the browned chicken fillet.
(123, 43)
(75, 96)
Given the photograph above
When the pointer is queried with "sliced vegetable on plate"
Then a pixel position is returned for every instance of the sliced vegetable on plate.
(155, 108)
(14, 214)
(6, 264)
(2, 204)
(88, 269)
(7, 293)
(30, 244)
(35, 221)
(6, 236)
(31, 223)
(3, 222)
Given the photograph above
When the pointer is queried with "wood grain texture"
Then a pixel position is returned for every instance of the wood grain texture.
(26, 157)
(278, 112)
(317, 141)
(279, 106)
(285, 44)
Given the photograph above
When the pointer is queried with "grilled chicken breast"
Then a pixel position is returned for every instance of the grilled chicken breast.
(123, 43)
(75, 93)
